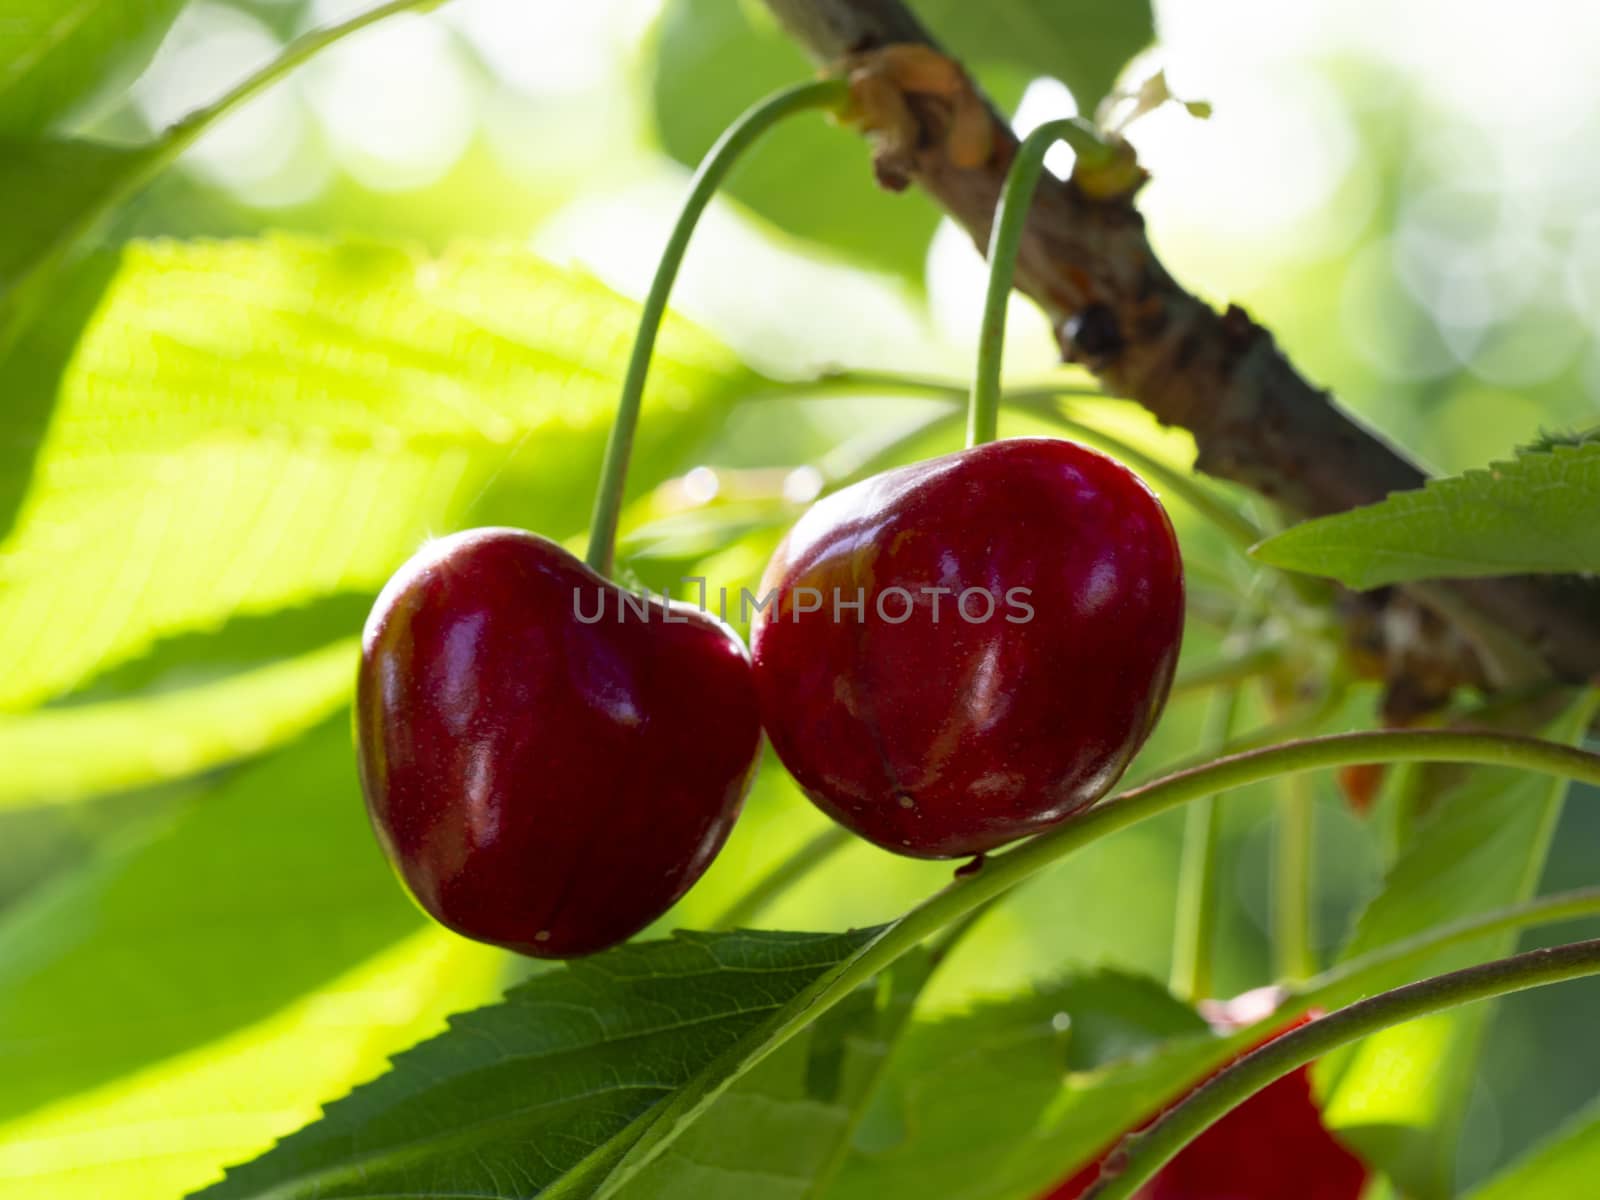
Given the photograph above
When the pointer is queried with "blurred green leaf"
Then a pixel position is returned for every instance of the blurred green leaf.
(1083, 43)
(1012, 1097)
(32, 365)
(161, 1132)
(43, 842)
(242, 644)
(53, 192)
(252, 425)
(1399, 1097)
(515, 1096)
(809, 177)
(214, 918)
(190, 704)
(63, 753)
(55, 57)
(1534, 513)
(1564, 1167)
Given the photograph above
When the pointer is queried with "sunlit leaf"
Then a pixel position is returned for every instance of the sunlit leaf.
(207, 921)
(31, 365)
(1535, 513)
(1563, 1167)
(517, 1095)
(56, 754)
(160, 1132)
(249, 425)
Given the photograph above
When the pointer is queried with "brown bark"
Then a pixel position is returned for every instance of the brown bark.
(1256, 421)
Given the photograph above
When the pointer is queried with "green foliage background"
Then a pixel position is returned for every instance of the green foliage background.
(224, 422)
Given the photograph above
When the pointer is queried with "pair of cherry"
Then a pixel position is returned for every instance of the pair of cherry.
(959, 653)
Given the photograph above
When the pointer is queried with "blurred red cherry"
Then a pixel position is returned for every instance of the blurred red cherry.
(543, 779)
(1359, 783)
(968, 650)
(1274, 1146)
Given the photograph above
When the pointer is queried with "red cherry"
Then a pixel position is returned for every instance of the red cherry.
(541, 782)
(942, 723)
(1274, 1146)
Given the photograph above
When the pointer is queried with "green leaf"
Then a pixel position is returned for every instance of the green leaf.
(63, 753)
(1399, 1097)
(55, 57)
(516, 1096)
(216, 655)
(783, 1129)
(251, 425)
(163, 1131)
(32, 366)
(192, 703)
(1083, 43)
(1564, 1167)
(809, 177)
(53, 193)
(212, 919)
(1532, 514)
(1012, 1097)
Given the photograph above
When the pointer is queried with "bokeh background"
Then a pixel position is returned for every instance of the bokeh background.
(198, 940)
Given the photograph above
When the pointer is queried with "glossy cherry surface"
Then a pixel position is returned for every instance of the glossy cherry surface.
(1023, 606)
(1274, 1146)
(542, 779)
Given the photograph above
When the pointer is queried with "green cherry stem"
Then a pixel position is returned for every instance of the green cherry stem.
(782, 877)
(713, 169)
(1293, 933)
(1141, 1155)
(1373, 972)
(1005, 238)
(1005, 871)
(1046, 402)
(1356, 977)
(1196, 917)
(181, 136)
(26, 287)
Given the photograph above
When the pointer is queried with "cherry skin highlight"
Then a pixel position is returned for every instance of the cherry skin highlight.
(541, 782)
(1022, 607)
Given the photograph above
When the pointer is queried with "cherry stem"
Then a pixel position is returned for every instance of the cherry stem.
(178, 137)
(782, 877)
(1005, 238)
(1374, 971)
(1196, 917)
(1356, 977)
(21, 294)
(735, 140)
(1003, 872)
(1046, 401)
(1293, 938)
(1139, 1156)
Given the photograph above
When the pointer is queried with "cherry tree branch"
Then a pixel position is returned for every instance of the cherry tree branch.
(1255, 419)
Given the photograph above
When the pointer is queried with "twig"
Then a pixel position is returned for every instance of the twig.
(1116, 310)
